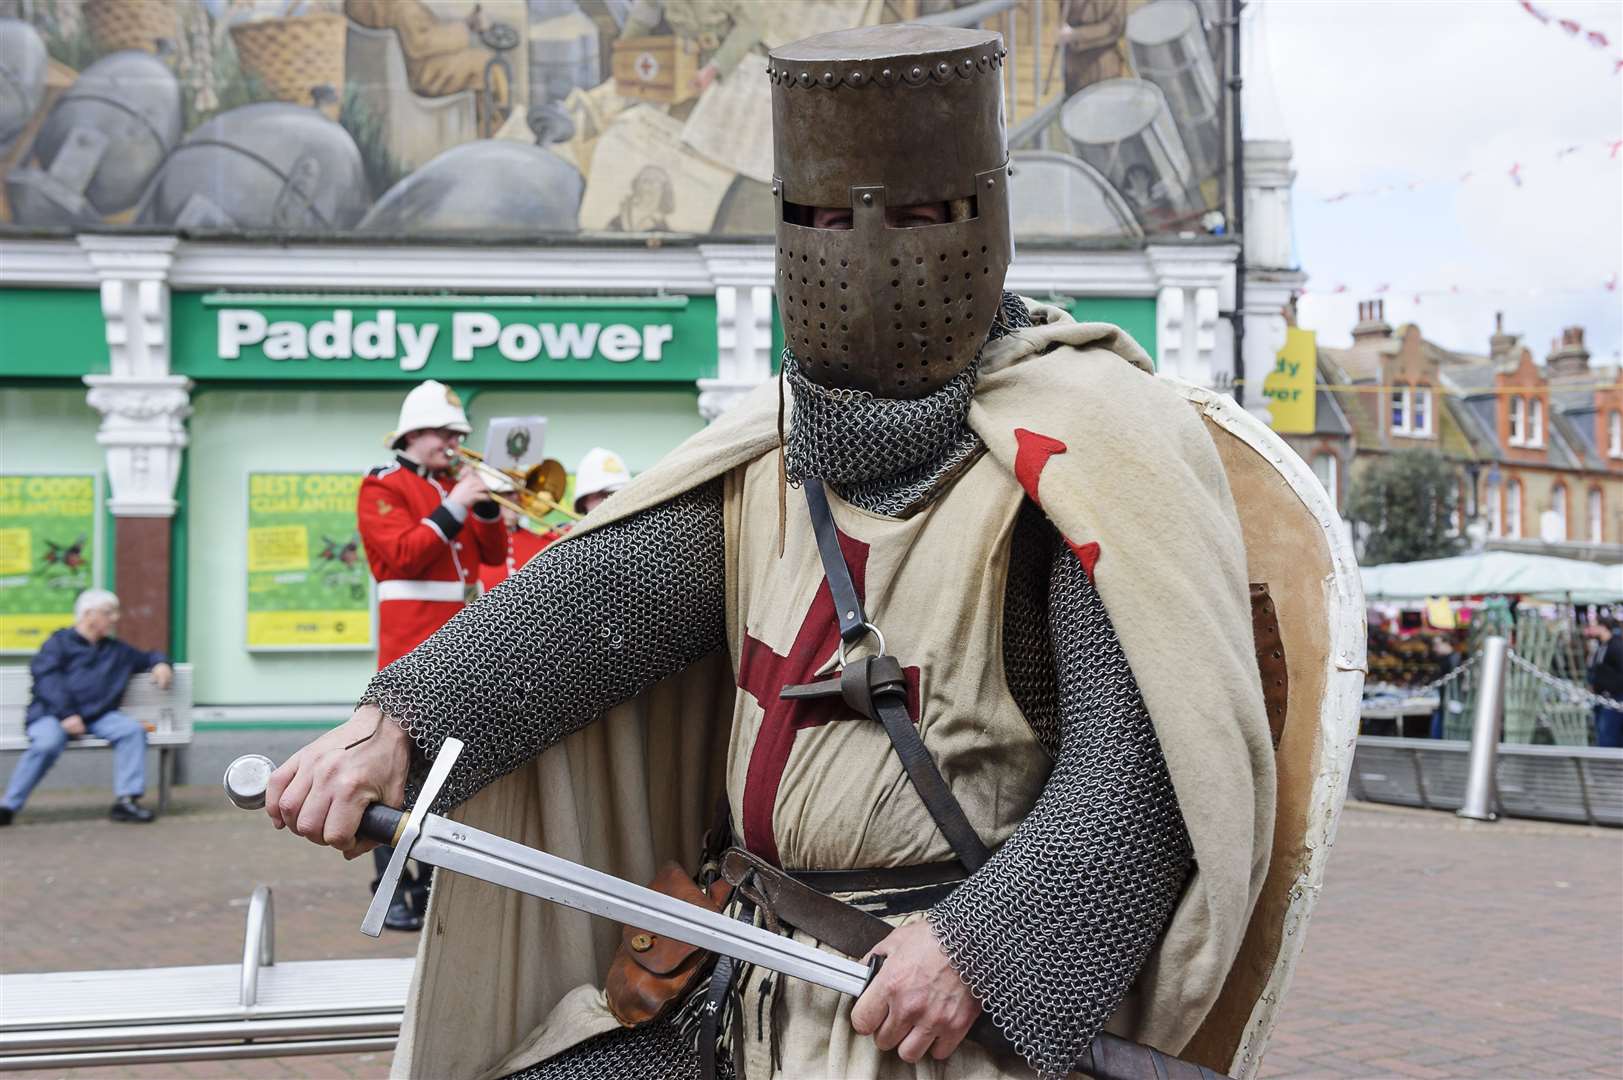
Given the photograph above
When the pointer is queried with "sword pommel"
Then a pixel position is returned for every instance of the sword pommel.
(246, 780)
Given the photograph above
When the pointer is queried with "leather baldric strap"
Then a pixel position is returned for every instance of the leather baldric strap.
(876, 687)
(853, 932)
(883, 877)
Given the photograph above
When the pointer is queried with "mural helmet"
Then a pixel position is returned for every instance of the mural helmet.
(22, 78)
(490, 186)
(105, 137)
(888, 117)
(269, 165)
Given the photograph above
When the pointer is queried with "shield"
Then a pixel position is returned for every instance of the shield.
(1297, 546)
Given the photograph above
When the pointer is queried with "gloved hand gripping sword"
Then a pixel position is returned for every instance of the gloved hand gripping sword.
(451, 845)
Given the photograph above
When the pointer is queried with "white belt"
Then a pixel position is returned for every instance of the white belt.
(421, 590)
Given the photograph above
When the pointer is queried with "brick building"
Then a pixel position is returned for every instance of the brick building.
(1538, 447)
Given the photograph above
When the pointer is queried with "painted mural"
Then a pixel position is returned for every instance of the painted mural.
(444, 118)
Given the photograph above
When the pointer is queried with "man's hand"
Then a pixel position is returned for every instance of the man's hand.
(321, 791)
(704, 77)
(163, 675)
(469, 490)
(917, 1004)
(74, 725)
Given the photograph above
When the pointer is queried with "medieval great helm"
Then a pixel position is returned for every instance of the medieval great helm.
(890, 116)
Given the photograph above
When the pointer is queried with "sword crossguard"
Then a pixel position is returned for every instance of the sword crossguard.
(248, 777)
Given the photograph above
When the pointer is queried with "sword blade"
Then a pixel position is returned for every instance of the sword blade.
(498, 860)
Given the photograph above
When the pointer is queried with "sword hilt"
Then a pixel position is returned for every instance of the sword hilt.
(247, 778)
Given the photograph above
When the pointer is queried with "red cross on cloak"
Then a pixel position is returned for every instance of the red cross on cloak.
(762, 674)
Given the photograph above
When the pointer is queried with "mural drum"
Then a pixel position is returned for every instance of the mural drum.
(441, 118)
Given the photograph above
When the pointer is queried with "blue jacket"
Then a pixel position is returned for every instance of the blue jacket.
(73, 677)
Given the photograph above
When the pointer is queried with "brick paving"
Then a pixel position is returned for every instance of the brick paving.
(1442, 948)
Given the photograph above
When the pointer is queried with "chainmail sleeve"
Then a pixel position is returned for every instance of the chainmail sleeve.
(1051, 932)
(583, 626)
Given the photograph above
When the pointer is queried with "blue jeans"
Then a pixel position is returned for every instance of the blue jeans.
(47, 740)
(1608, 726)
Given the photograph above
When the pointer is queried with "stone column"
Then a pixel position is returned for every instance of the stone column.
(1271, 277)
(743, 276)
(1190, 280)
(144, 410)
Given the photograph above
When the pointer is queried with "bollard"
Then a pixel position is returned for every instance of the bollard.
(1490, 716)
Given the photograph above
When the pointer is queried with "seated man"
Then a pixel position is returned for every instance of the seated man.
(80, 675)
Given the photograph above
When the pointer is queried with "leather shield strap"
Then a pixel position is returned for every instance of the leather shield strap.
(853, 932)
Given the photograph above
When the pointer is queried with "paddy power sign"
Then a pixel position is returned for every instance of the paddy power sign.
(642, 339)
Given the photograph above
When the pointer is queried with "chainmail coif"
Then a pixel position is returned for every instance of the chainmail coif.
(1098, 864)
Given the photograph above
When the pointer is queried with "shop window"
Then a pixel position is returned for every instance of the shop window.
(1535, 423)
(1496, 509)
(1513, 510)
(1324, 467)
(1518, 421)
(1597, 530)
(1614, 434)
(1558, 504)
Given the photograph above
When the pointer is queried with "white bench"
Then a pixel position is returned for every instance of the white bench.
(167, 715)
(65, 1019)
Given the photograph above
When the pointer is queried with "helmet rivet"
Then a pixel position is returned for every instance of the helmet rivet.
(828, 78)
(774, 189)
(885, 73)
(990, 182)
(805, 78)
(867, 198)
(855, 78)
(941, 68)
(917, 72)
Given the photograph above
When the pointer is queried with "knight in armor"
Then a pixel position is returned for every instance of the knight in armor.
(908, 614)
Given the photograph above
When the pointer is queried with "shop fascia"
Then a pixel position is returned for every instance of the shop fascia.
(410, 344)
(639, 339)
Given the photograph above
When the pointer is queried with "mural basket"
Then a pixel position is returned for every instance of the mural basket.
(119, 24)
(298, 59)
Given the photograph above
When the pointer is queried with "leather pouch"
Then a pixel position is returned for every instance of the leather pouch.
(651, 972)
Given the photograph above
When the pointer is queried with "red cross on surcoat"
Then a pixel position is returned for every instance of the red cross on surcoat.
(762, 674)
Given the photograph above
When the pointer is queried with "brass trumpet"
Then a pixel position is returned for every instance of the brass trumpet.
(536, 489)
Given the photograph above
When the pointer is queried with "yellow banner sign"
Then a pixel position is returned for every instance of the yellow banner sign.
(308, 586)
(1289, 388)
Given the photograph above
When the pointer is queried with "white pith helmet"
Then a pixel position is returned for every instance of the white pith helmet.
(430, 404)
(600, 470)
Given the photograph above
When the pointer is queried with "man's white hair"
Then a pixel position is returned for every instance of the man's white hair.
(92, 600)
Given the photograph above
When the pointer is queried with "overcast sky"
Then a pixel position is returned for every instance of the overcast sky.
(1375, 92)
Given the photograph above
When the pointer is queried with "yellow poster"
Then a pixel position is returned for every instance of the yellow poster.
(15, 545)
(47, 554)
(308, 586)
(1289, 388)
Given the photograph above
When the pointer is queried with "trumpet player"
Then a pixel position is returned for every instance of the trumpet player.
(426, 534)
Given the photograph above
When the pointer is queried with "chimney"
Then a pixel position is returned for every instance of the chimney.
(1568, 360)
(1372, 322)
(1500, 343)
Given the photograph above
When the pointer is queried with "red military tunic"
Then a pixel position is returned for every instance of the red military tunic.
(422, 557)
(522, 546)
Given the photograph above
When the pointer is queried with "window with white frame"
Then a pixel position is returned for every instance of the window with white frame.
(1324, 467)
(1558, 504)
(1597, 530)
(1496, 509)
(1513, 509)
(1518, 421)
(1420, 412)
(1535, 422)
(1411, 410)
(1614, 434)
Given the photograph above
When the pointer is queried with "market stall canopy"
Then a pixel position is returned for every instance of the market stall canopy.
(1496, 573)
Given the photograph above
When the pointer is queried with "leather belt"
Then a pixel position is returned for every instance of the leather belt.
(446, 591)
(878, 879)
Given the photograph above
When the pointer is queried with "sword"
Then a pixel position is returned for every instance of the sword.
(451, 845)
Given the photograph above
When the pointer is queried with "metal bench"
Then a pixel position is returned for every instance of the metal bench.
(167, 715)
(258, 1008)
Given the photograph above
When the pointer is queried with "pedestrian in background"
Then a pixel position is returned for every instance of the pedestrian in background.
(79, 676)
(1606, 677)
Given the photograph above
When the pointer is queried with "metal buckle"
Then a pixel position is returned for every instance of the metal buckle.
(871, 629)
